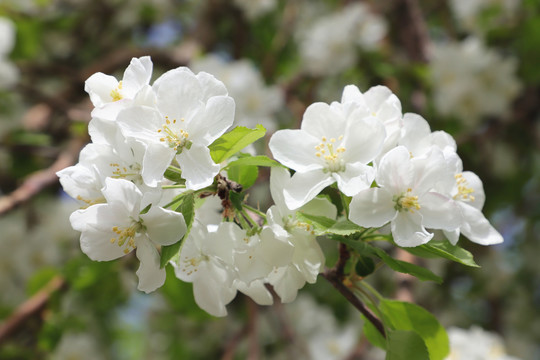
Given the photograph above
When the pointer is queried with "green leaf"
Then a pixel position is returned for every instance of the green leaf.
(401, 315)
(187, 208)
(405, 345)
(320, 224)
(259, 160)
(401, 266)
(444, 250)
(345, 228)
(173, 175)
(244, 175)
(373, 335)
(232, 142)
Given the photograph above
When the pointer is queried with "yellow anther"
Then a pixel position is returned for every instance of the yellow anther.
(324, 138)
(318, 154)
(115, 93)
(464, 192)
(340, 137)
(332, 140)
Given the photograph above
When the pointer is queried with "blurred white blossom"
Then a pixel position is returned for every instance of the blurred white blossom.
(476, 344)
(329, 45)
(468, 13)
(255, 102)
(9, 73)
(471, 81)
(255, 8)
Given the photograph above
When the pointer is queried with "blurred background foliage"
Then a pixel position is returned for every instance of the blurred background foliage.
(469, 67)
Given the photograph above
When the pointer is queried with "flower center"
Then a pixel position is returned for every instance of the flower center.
(191, 264)
(175, 139)
(331, 155)
(115, 93)
(290, 223)
(406, 202)
(130, 172)
(126, 236)
(464, 192)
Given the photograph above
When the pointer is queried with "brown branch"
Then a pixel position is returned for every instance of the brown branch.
(41, 179)
(337, 282)
(30, 308)
(232, 345)
(411, 29)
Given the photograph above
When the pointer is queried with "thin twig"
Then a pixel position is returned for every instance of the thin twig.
(337, 282)
(39, 180)
(30, 308)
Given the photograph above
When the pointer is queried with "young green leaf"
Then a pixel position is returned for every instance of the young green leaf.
(244, 175)
(444, 250)
(232, 142)
(405, 345)
(259, 160)
(401, 266)
(187, 208)
(401, 315)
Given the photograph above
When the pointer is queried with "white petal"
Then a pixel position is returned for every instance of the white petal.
(363, 140)
(123, 192)
(295, 149)
(408, 231)
(372, 208)
(439, 212)
(164, 227)
(305, 186)
(395, 172)
(474, 182)
(477, 228)
(96, 241)
(99, 87)
(452, 236)
(151, 276)
(217, 117)
(212, 289)
(275, 251)
(179, 94)
(355, 178)
(351, 93)
(320, 120)
(197, 166)
(257, 291)
(308, 257)
(279, 179)
(156, 160)
(210, 85)
(137, 74)
(141, 122)
(286, 282)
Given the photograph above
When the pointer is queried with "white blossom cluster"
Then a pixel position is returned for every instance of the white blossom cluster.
(471, 81)
(393, 166)
(254, 9)
(329, 45)
(255, 102)
(137, 131)
(9, 73)
(365, 140)
(476, 343)
(468, 13)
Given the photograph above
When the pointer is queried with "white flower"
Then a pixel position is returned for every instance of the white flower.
(380, 103)
(328, 45)
(9, 73)
(334, 144)
(191, 112)
(476, 343)
(111, 230)
(469, 13)
(468, 193)
(307, 259)
(406, 197)
(255, 8)
(255, 102)
(206, 261)
(471, 81)
(417, 137)
(105, 89)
